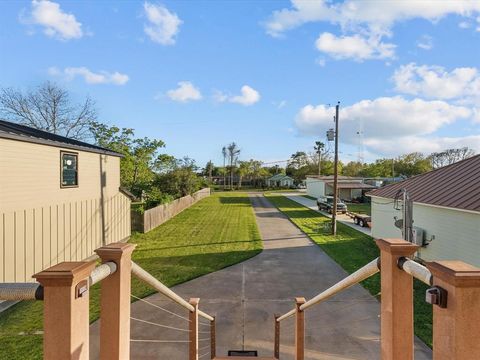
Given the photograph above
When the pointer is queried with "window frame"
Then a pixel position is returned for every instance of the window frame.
(62, 152)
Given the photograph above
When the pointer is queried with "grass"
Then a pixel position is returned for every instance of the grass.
(352, 249)
(363, 208)
(217, 232)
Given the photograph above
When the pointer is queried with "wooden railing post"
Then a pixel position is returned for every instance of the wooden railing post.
(115, 302)
(213, 344)
(276, 346)
(193, 346)
(299, 329)
(65, 314)
(396, 300)
(456, 327)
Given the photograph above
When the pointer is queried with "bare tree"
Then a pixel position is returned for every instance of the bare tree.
(48, 107)
(450, 156)
(224, 153)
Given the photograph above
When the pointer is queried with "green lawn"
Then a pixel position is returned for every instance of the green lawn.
(216, 232)
(352, 249)
(364, 208)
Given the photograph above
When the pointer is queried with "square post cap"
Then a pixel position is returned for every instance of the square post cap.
(397, 247)
(456, 273)
(65, 274)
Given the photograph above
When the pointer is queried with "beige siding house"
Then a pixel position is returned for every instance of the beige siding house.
(349, 188)
(446, 211)
(60, 199)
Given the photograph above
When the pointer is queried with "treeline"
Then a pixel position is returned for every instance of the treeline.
(302, 164)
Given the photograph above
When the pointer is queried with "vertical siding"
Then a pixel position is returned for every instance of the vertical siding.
(34, 239)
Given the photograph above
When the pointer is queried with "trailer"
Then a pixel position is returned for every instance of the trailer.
(362, 220)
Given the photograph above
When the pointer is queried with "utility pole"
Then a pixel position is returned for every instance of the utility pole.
(335, 175)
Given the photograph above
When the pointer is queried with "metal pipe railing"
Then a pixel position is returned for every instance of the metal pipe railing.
(157, 285)
(361, 274)
(34, 291)
(415, 269)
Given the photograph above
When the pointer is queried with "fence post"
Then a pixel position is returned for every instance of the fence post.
(397, 300)
(213, 346)
(193, 346)
(65, 314)
(115, 302)
(276, 346)
(456, 327)
(299, 329)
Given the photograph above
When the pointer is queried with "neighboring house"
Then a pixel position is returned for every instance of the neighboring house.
(446, 211)
(59, 200)
(349, 188)
(280, 180)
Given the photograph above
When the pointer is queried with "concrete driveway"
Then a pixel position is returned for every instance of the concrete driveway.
(312, 204)
(245, 297)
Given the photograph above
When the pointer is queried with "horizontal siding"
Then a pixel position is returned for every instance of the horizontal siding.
(455, 234)
(33, 239)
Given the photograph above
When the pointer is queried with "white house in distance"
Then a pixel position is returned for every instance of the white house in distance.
(60, 200)
(349, 188)
(279, 180)
(446, 211)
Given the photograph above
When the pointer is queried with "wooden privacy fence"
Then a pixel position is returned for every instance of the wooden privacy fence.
(37, 238)
(156, 216)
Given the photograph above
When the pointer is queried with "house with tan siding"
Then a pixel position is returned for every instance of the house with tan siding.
(60, 199)
(446, 211)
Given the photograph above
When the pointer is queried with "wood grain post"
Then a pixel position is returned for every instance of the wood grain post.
(115, 302)
(396, 300)
(456, 328)
(193, 346)
(65, 314)
(276, 346)
(299, 329)
(213, 344)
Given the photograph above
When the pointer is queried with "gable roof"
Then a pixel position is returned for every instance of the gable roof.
(454, 186)
(279, 177)
(12, 131)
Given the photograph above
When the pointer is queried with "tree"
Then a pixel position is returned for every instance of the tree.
(224, 153)
(319, 149)
(141, 158)
(48, 108)
(450, 156)
(233, 151)
(208, 171)
(412, 164)
(353, 168)
(243, 170)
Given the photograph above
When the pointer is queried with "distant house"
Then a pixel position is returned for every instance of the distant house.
(349, 188)
(279, 180)
(60, 199)
(446, 211)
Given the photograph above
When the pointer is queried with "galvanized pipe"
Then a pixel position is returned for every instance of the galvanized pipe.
(361, 274)
(415, 269)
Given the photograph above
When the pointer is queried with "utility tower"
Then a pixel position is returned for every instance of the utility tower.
(361, 145)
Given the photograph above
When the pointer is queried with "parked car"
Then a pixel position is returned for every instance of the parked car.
(325, 203)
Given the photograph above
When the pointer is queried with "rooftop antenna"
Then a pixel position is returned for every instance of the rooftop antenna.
(361, 145)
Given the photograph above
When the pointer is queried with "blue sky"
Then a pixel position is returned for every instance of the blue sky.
(200, 74)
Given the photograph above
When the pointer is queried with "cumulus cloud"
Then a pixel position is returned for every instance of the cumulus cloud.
(185, 92)
(163, 25)
(425, 42)
(248, 96)
(55, 22)
(90, 77)
(376, 15)
(386, 121)
(436, 82)
(354, 47)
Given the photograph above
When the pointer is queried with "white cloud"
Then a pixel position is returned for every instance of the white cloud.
(386, 121)
(185, 92)
(55, 22)
(163, 25)
(378, 16)
(90, 77)
(248, 96)
(425, 42)
(354, 47)
(464, 25)
(436, 82)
